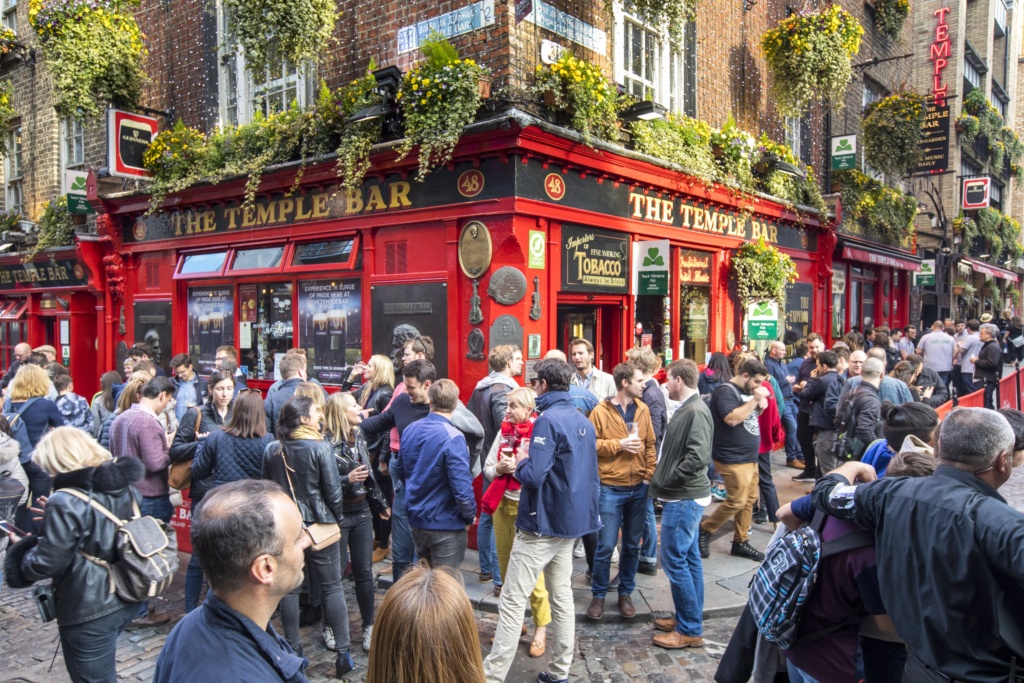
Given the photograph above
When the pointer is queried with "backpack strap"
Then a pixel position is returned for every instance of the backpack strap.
(861, 538)
(104, 511)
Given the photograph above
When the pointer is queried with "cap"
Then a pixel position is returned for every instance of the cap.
(45, 348)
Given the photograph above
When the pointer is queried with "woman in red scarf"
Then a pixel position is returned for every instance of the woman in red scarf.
(502, 500)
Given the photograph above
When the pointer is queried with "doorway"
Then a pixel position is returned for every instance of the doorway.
(600, 324)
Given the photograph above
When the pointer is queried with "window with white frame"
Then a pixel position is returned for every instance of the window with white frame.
(241, 95)
(793, 134)
(72, 144)
(870, 95)
(649, 64)
(10, 14)
(971, 74)
(995, 196)
(13, 194)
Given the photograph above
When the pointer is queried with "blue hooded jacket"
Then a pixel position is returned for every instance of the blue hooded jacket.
(560, 484)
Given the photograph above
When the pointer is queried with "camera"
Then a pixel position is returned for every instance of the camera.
(42, 595)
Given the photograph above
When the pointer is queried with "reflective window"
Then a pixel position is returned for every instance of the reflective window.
(203, 263)
(315, 253)
(252, 259)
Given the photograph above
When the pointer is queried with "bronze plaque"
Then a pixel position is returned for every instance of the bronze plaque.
(507, 286)
(475, 249)
(506, 330)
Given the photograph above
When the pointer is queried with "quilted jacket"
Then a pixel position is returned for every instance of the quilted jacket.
(225, 458)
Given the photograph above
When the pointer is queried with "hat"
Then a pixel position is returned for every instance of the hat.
(986, 317)
(45, 348)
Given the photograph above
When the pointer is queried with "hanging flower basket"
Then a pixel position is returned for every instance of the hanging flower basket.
(7, 113)
(7, 40)
(809, 55)
(295, 30)
(762, 272)
(580, 89)
(94, 51)
(890, 15)
(892, 133)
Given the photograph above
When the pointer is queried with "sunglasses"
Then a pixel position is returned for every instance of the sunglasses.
(248, 390)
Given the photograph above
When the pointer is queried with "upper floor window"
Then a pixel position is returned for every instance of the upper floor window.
(870, 95)
(996, 196)
(793, 134)
(651, 66)
(72, 147)
(10, 14)
(13, 172)
(242, 94)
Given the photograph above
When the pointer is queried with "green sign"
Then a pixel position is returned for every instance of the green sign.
(844, 152)
(652, 268)
(74, 187)
(926, 278)
(538, 244)
(763, 321)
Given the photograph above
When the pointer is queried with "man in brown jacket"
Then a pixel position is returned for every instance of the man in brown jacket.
(626, 458)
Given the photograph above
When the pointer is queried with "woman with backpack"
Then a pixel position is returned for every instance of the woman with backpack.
(89, 616)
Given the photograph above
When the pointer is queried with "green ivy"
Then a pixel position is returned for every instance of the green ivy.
(294, 30)
(56, 227)
(670, 14)
(679, 140)
(357, 139)
(890, 16)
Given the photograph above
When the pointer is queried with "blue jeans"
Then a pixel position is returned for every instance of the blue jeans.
(485, 544)
(160, 508)
(798, 676)
(90, 647)
(403, 553)
(624, 507)
(793, 451)
(649, 550)
(193, 583)
(680, 560)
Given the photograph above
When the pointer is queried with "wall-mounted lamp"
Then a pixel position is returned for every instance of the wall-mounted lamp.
(644, 110)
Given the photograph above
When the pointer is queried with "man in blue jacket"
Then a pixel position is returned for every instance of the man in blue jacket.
(558, 503)
(434, 470)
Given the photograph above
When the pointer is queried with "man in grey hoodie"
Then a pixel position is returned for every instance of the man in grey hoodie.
(489, 404)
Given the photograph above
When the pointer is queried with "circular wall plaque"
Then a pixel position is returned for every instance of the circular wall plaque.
(475, 249)
(507, 286)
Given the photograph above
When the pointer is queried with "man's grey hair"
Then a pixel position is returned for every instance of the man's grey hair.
(872, 368)
(991, 329)
(972, 437)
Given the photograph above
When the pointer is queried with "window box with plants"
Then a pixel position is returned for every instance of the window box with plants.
(580, 91)
(882, 210)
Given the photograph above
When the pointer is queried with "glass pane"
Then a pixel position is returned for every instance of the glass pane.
(250, 259)
(649, 57)
(868, 307)
(330, 327)
(203, 263)
(211, 323)
(272, 333)
(636, 65)
(337, 251)
(694, 322)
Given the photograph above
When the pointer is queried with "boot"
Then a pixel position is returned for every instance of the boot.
(596, 609)
(676, 640)
(343, 664)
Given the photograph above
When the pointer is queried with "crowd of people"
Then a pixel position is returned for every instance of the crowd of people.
(294, 490)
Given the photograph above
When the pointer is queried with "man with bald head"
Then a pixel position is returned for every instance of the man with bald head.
(950, 535)
(21, 354)
(775, 362)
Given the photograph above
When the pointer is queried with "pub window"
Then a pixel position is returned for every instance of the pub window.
(72, 147)
(11, 334)
(996, 196)
(262, 258)
(203, 263)
(323, 253)
(264, 341)
(330, 327)
(10, 10)
(13, 172)
(694, 305)
(211, 323)
(649, 65)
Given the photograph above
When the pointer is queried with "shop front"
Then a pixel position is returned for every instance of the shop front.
(871, 285)
(55, 299)
(991, 287)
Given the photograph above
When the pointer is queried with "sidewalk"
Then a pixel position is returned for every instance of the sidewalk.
(725, 577)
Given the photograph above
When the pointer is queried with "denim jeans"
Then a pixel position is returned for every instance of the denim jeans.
(649, 550)
(624, 507)
(160, 508)
(798, 676)
(793, 451)
(193, 583)
(441, 548)
(357, 539)
(485, 544)
(326, 564)
(90, 647)
(884, 661)
(680, 560)
(991, 395)
(403, 553)
(766, 486)
(39, 484)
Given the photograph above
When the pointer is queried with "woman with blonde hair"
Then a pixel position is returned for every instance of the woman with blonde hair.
(501, 500)
(26, 397)
(426, 632)
(362, 501)
(312, 391)
(89, 615)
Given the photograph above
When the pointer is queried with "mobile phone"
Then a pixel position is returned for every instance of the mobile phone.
(7, 526)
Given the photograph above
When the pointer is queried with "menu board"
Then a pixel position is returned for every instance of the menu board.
(330, 327)
(211, 324)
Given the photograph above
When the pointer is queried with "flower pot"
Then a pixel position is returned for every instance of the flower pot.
(484, 85)
(548, 98)
(958, 290)
(718, 151)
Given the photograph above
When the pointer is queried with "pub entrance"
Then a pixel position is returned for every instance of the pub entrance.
(599, 322)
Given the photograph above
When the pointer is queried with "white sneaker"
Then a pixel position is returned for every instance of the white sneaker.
(329, 641)
(578, 551)
(615, 554)
(367, 637)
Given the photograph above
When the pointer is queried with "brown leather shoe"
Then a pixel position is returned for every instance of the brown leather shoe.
(379, 554)
(596, 609)
(626, 608)
(151, 619)
(676, 641)
(666, 625)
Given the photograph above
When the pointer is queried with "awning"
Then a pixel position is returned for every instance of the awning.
(991, 271)
(882, 258)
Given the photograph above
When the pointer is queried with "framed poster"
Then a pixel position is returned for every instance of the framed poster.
(402, 312)
(211, 323)
(153, 326)
(330, 327)
(594, 260)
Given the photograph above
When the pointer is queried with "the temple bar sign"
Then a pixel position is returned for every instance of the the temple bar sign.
(128, 136)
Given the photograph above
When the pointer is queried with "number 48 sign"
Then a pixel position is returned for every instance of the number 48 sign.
(554, 185)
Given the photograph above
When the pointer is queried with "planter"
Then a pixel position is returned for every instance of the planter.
(484, 86)
(548, 97)
(958, 290)
(718, 151)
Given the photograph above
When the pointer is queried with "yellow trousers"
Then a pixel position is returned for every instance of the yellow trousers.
(504, 534)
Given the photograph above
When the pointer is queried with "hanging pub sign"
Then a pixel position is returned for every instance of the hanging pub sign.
(594, 260)
(128, 136)
(934, 140)
(651, 260)
(976, 193)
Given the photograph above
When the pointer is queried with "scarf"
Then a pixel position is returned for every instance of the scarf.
(306, 433)
(506, 482)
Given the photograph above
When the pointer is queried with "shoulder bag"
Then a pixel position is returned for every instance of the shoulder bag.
(180, 475)
(321, 534)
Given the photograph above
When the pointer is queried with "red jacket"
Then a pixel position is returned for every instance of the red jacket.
(771, 426)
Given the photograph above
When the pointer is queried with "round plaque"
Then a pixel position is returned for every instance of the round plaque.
(475, 249)
(507, 286)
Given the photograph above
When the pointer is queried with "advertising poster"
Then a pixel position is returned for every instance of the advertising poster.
(594, 260)
(401, 312)
(211, 323)
(330, 327)
(153, 326)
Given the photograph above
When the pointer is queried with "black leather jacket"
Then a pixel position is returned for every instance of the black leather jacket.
(70, 525)
(356, 496)
(314, 477)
